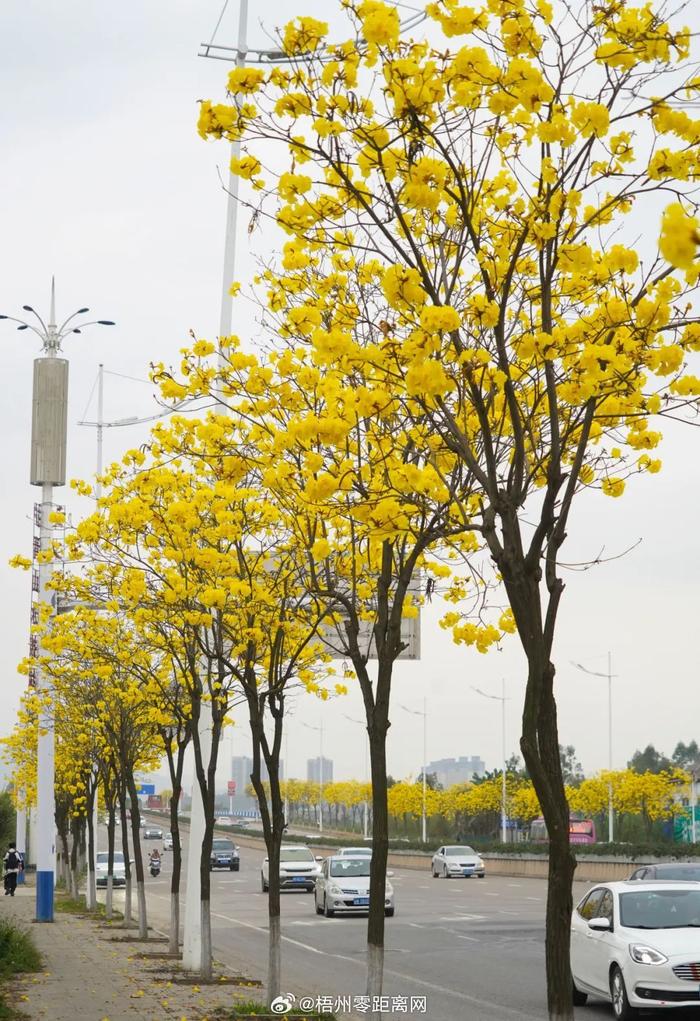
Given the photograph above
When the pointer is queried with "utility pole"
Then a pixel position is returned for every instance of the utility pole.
(424, 812)
(609, 675)
(48, 470)
(504, 788)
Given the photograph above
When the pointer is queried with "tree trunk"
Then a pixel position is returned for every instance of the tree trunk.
(540, 747)
(380, 851)
(109, 903)
(75, 839)
(174, 935)
(91, 885)
(127, 861)
(138, 857)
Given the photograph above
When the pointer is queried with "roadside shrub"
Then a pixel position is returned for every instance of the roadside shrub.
(18, 952)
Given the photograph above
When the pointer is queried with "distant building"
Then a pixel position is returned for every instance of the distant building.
(313, 770)
(451, 771)
(241, 768)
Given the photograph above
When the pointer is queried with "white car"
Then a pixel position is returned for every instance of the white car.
(168, 842)
(457, 860)
(298, 869)
(354, 852)
(118, 869)
(638, 945)
(343, 886)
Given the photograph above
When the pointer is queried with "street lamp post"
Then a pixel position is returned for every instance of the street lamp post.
(424, 813)
(319, 729)
(365, 807)
(504, 790)
(48, 469)
(609, 675)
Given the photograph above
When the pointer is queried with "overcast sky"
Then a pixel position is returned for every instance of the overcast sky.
(106, 184)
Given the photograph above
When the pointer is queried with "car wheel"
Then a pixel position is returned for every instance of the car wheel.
(328, 912)
(232, 868)
(319, 909)
(445, 873)
(578, 997)
(481, 875)
(618, 992)
(263, 884)
(389, 912)
(435, 875)
(237, 867)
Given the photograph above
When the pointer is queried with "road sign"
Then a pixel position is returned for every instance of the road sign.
(231, 787)
(146, 788)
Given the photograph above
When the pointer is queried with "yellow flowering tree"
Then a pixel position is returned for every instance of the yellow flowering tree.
(458, 225)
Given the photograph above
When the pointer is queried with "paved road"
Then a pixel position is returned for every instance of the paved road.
(473, 948)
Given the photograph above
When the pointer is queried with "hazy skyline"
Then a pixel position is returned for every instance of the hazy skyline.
(107, 185)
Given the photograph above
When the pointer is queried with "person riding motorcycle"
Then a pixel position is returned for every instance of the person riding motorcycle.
(154, 860)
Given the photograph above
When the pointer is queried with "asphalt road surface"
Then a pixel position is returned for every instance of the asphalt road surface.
(473, 948)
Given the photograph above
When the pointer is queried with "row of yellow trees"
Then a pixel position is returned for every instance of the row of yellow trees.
(460, 339)
(654, 795)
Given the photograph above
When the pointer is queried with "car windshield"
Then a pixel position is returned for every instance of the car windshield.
(103, 858)
(347, 867)
(660, 909)
(688, 873)
(296, 854)
(222, 845)
(457, 852)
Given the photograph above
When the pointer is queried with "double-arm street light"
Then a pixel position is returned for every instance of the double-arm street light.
(609, 675)
(504, 792)
(424, 813)
(48, 469)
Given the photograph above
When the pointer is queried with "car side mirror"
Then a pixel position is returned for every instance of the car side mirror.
(265, 859)
(390, 874)
(599, 924)
(319, 857)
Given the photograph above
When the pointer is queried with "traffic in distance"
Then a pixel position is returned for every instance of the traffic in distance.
(634, 943)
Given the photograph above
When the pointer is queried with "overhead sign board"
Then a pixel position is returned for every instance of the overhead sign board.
(146, 788)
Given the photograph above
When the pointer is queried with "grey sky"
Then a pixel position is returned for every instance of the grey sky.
(106, 184)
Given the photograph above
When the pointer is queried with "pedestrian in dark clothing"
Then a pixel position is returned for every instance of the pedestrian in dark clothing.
(11, 864)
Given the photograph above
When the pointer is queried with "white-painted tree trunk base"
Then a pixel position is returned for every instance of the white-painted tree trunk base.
(274, 968)
(174, 941)
(205, 963)
(109, 898)
(127, 903)
(143, 919)
(375, 969)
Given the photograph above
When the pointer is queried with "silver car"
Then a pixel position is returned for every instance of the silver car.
(354, 852)
(457, 860)
(343, 887)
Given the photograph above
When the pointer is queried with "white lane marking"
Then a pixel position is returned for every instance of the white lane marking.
(415, 925)
(470, 938)
(514, 884)
(426, 887)
(535, 898)
(504, 1011)
(487, 894)
(462, 918)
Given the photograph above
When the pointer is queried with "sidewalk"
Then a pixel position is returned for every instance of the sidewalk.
(88, 976)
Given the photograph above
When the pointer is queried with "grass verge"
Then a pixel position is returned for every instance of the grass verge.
(18, 955)
(254, 1009)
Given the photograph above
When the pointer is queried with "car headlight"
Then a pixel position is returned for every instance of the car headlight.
(479, 863)
(334, 890)
(643, 954)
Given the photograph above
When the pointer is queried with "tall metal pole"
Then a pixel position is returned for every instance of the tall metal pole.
(504, 790)
(424, 820)
(611, 814)
(320, 786)
(21, 838)
(693, 803)
(232, 202)
(45, 801)
(286, 775)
